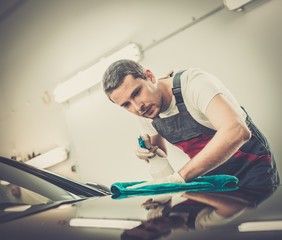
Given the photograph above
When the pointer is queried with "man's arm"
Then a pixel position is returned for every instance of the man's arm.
(232, 133)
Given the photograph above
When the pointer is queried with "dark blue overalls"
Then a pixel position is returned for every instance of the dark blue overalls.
(253, 164)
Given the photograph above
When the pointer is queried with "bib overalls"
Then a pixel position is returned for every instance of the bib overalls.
(253, 164)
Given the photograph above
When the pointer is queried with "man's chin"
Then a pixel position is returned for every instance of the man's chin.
(152, 115)
(149, 117)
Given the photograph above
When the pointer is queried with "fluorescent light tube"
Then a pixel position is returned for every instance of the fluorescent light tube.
(17, 208)
(49, 158)
(93, 75)
(104, 223)
(260, 226)
(234, 5)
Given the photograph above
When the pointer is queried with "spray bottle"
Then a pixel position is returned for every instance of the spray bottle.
(159, 166)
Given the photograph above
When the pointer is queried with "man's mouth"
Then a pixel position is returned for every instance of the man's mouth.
(148, 111)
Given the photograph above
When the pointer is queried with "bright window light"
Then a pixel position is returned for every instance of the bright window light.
(104, 223)
(93, 75)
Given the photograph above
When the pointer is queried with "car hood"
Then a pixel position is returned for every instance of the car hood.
(244, 214)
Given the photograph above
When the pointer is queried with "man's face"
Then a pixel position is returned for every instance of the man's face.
(138, 96)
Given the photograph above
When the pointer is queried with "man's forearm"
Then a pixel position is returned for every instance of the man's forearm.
(220, 148)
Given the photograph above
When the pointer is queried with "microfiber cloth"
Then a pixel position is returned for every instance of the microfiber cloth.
(212, 183)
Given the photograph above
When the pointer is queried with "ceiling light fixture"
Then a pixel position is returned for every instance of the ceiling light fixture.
(104, 223)
(93, 75)
(49, 158)
(236, 5)
(260, 226)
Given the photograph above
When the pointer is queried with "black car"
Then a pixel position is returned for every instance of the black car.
(36, 204)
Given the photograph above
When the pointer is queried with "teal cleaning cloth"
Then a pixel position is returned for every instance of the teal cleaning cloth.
(213, 183)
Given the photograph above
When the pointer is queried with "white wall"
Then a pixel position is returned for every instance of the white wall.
(242, 49)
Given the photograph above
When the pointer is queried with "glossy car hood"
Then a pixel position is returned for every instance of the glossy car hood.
(242, 214)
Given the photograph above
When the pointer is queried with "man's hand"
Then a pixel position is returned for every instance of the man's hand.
(173, 178)
(144, 154)
(150, 151)
(157, 206)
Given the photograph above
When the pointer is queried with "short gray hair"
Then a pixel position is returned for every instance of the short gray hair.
(117, 71)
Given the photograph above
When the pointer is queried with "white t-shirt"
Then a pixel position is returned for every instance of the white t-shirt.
(198, 88)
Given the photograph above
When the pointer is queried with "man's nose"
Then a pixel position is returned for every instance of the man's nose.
(139, 106)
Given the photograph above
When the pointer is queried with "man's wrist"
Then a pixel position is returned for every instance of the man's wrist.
(179, 177)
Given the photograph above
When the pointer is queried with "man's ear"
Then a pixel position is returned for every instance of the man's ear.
(150, 76)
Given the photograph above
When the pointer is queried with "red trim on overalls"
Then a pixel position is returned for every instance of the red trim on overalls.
(193, 146)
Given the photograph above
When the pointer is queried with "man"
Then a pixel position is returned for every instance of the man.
(194, 111)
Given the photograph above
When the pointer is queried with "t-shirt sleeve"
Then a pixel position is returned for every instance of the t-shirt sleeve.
(200, 88)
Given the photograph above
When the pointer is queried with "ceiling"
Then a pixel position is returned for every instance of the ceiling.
(8, 7)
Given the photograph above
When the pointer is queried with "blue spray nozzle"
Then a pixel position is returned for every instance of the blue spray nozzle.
(141, 142)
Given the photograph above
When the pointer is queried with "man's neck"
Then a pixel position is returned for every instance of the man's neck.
(166, 86)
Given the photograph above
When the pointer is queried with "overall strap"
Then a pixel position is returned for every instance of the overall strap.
(176, 90)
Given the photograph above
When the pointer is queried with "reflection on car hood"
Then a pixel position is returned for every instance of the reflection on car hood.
(244, 214)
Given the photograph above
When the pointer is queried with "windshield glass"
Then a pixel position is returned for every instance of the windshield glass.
(18, 187)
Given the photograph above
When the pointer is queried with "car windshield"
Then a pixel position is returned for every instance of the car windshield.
(18, 187)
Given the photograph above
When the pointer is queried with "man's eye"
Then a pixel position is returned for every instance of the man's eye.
(136, 93)
(126, 105)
